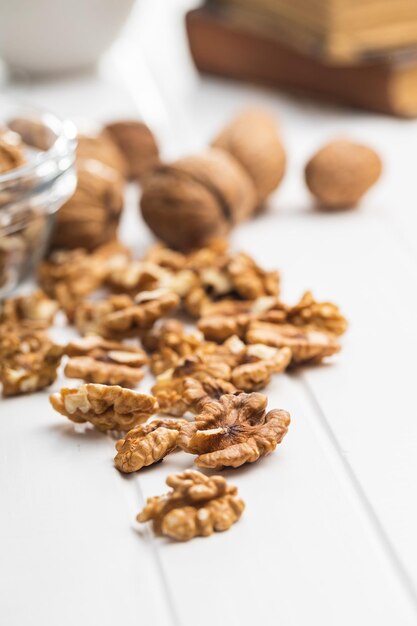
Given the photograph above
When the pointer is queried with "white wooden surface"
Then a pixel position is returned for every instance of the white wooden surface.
(328, 536)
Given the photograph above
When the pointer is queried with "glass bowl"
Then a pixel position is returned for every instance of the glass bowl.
(31, 194)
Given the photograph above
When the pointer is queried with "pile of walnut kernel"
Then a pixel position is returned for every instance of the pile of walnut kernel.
(235, 332)
(205, 400)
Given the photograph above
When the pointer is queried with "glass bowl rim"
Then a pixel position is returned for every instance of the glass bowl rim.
(67, 135)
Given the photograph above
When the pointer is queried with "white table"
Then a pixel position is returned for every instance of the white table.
(329, 533)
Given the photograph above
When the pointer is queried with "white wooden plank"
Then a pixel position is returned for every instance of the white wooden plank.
(367, 394)
(301, 553)
(310, 551)
(68, 553)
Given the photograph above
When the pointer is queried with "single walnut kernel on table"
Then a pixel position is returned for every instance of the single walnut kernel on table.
(196, 506)
(28, 359)
(106, 407)
(234, 430)
(147, 444)
(97, 360)
(307, 346)
(36, 307)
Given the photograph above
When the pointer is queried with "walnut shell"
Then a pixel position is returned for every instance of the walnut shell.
(91, 216)
(341, 172)
(196, 199)
(253, 139)
(101, 148)
(138, 145)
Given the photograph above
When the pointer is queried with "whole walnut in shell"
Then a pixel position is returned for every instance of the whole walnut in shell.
(101, 148)
(91, 216)
(341, 172)
(197, 198)
(138, 145)
(252, 138)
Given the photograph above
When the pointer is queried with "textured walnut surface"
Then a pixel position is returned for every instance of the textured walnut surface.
(28, 359)
(98, 360)
(106, 407)
(147, 444)
(313, 315)
(307, 346)
(169, 343)
(33, 307)
(108, 372)
(234, 430)
(70, 275)
(231, 366)
(197, 505)
(119, 317)
(225, 318)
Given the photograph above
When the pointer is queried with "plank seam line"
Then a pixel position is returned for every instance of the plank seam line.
(159, 567)
(404, 243)
(365, 506)
(161, 572)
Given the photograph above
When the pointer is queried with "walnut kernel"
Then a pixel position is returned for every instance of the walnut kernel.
(106, 407)
(234, 430)
(197, 506)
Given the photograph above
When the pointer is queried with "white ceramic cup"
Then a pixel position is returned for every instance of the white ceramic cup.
(49, 36)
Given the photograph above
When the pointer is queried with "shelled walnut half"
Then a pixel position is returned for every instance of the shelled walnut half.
(307, 346)
(234, 430)
(196, 506)
(97, 360)
(36, 307)
(28, 359)
(106, 407)
(147, 444)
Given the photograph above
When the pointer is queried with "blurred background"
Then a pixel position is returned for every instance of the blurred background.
(324, 69)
